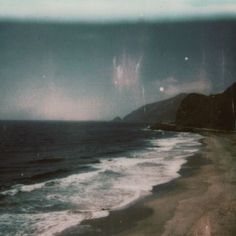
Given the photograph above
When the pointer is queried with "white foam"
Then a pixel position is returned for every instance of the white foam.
(22, 188)
(10, 192)
(66, 182)
(29, 188)
(56, 222)
(48, 224)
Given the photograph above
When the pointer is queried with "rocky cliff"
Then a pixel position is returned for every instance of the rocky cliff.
(212, 112)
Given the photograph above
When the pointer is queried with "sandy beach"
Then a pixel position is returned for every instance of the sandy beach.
(205, 203)
(201, 202)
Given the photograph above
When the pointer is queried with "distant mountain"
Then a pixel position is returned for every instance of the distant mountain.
(117, 119)
(212, 112)
(162, 111)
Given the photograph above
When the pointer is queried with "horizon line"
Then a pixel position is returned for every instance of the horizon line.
(196, 18)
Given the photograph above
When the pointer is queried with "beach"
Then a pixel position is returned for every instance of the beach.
(155, 183)
(201, 202)
(107, 171)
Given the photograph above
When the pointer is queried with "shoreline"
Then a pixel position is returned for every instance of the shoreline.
(120, 221)
(203, 203)
(200, 202)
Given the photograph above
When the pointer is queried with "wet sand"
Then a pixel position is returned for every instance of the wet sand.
(201, 202)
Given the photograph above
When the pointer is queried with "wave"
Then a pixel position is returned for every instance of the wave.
(47, 160)
(46, 224)
(48, 174)
(111, 185)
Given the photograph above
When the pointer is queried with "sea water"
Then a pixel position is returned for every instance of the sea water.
(54, 175)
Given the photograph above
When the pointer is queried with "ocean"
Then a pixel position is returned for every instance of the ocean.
(54, 175)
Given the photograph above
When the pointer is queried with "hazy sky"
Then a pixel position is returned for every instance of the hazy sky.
(115, 10)
(52, 69)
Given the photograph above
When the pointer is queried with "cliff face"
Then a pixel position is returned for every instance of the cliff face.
(163, 111)
(213, 112)
(190, 111)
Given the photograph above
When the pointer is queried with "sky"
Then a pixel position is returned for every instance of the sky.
(95, 60)
(114, 10)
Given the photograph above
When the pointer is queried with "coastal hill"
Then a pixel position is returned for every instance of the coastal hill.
(117, 119)
(212, 112)
(162, 111)
(186, 112)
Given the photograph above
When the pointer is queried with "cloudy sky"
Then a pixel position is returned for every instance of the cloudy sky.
(94, 60)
